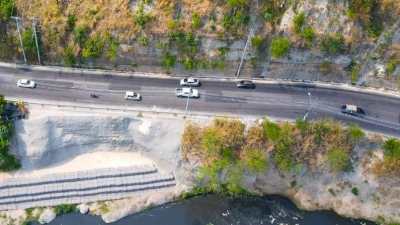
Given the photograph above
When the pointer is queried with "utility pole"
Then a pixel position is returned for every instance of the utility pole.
(36, 40)
(251, 34)
(311, 105)
(187, 102)
(19, 34)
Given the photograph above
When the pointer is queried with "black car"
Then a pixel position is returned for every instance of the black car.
(246, 84)
(353, 110)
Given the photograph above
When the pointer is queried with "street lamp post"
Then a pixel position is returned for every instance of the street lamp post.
(311, 105)
(187, 102)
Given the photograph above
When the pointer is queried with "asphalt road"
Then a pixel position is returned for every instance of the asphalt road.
(282, 101)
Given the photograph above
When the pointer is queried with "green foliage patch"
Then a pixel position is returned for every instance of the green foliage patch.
(7, 8)
(333, 44)
(298, 21)
(64, 208)
(279, 47)
(337, 159)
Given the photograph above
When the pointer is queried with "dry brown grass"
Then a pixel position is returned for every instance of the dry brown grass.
(386, 167)
(191, 140)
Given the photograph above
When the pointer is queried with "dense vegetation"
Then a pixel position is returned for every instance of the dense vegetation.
(74, 32)
(228, 149)
(7, 161)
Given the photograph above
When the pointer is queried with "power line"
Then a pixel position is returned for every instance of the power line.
(19, 34)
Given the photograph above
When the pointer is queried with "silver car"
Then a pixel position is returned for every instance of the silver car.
(26, 83)
(190, 82)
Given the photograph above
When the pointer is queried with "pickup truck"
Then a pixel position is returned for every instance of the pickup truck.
(187, 92)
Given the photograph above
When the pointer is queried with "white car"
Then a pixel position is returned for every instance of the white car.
(130, 95)
(190, 82)
(187, 92)
(26, 83)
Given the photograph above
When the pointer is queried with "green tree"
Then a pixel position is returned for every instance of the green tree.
(80, 35)
(298, 21)
(391, 67)
(7, 8)
(28, 39)
(279, 47)
(337, 160)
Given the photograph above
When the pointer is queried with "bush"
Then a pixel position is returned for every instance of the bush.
(337, 159)
(113, 48)
(279, 47)
(293, 184)
(93, 47)
(354, 191)
(333, 44)
(236, 3)
(143, 41)
(69, 57)
(298, 21)
(391, 67)
(351, 14)
(141, 18)
(354, 74)
(392, 148)
(324, 67)
(7, 8)
(80, 35)
(355, 133)
(272, 130)
(256, 42)
(196, 21)
(255, 160)
(64, 208)
(168, 61)
(29, 42)
(308, 34)
(71, 20)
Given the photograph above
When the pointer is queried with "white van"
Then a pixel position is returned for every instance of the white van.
(130, 95)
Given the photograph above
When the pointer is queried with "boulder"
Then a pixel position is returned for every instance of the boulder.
(83, 208)
(47, 216)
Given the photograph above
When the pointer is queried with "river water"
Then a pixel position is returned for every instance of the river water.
(220, 210)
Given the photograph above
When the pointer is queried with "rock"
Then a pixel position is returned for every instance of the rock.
(47, 216)
(83, 208)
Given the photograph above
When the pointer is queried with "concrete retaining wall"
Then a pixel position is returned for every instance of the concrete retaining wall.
(81, 187)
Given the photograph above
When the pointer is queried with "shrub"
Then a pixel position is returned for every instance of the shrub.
(93, 47)
(64, 208)
(354, 191)
(333, 44)
(69, 56)
(392, 148)
(391, 67)
(337, 159)
(271, 130)
(7, 8)
(71, 20)
(293, 184)
(282, 157)
(308, 34)
(354, 74)
(351, 14)
(298, 21)
(324, 67)
(279, 47)
(80, 35)
(332, 192)
(141, 17)
(143, 41)
(236, 3)
(196, 21)
(112, 50)
(355, 133)
(189, 63)
(172, 25)
(256, 42)
(168, 61)
(29, 41)
(255, 160)
(301, 124)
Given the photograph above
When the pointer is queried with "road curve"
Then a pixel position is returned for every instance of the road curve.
(276, 100)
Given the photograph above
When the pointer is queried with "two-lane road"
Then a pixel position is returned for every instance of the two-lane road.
(272, 100)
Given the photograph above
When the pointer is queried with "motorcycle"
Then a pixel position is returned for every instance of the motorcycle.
(93, 96)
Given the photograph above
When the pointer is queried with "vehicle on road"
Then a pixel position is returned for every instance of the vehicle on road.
(26, 83)
(353, 110)
(246, 84)
(193, 82)
(187, 92)
(94, 95)
(130, 95)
